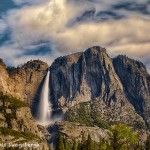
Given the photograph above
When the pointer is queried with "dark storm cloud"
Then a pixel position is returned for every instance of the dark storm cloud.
(99, 16)
(105, 15)
(100, 10)
(39, 50)
(133, 7)
(87, 15)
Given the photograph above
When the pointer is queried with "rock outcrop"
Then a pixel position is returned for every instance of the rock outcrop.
(16, 121)
(136, 82)
(84, 76)
(24, 81)
(86, 83)
(17, 124)
(93, 75)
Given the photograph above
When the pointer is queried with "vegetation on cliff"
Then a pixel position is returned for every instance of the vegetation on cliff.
(18, 134)
(11, 102)
(16, 122)
(120, 137)
(89, 114)
(84, 115)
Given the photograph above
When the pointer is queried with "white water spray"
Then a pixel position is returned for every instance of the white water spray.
(44, 112)
(46, 115)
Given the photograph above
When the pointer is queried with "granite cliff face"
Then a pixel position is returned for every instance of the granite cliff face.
(17, 89)
(84, 76)
(17, 124)
(87, 83)
(26, 79)
(136, 82)
(120, 86)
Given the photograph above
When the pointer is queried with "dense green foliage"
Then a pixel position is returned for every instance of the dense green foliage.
(75, 145)
(120, 137)
(60, 142)
(86, 116)
(90, 114)
(66, 144)
(89, 143)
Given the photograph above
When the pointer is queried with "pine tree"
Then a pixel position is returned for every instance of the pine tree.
(89, 143)
(103, 144)
(95, 145)
(59, 142)
(50, 148)
(82, 145)
(147, 144)
(75, 145)
(79, 146)
(121, 137)
(66, 144)
(83, 138)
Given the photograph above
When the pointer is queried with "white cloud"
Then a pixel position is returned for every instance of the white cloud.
(14, 56)
(51, 21)
(3, 26)
(33, 2)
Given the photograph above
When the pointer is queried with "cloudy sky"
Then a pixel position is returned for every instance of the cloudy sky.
(46, 29)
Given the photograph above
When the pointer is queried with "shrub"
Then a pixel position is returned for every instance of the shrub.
(11, 102)
(17, 134)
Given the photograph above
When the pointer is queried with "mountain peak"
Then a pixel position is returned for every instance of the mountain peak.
(136, 65)
(96, 50)
(2, 63)
(74, 57)
(89, 76)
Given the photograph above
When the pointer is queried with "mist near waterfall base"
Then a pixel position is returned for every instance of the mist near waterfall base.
(43, 112)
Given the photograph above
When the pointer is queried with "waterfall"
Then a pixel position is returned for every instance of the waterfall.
(44, 110)
(42, 107)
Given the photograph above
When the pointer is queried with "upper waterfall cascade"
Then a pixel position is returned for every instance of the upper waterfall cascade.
(44, 110)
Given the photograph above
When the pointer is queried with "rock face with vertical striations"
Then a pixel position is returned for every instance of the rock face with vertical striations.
(89, 82)
(84, 76)
(136, 82)
(92, 76)
(17, 88)
(27, 78)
